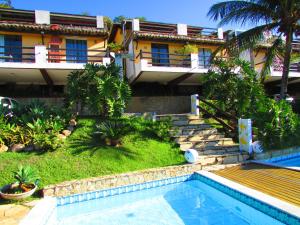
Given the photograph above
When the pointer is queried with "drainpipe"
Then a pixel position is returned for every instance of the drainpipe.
(43, 37)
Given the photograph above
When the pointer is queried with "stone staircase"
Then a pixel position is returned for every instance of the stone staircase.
(191, 131)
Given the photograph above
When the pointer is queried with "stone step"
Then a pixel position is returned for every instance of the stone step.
(176, 117)
(193, 126)
(192, 131)
(205, 144)
(188, 122)
(228, 158)
(199, 137)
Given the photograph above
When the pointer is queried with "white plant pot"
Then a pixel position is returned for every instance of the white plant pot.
(16, 196)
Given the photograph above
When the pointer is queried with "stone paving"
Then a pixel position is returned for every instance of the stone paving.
(12, 214)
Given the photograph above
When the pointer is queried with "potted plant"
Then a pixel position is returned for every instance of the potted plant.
(25, 185)
(112, 131)
(114, 47)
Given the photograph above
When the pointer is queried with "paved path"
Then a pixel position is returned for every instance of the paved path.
(12, 214)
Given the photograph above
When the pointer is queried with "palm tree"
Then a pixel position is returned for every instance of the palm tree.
(277, 16)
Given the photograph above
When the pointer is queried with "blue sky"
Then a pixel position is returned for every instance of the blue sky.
(191, 12)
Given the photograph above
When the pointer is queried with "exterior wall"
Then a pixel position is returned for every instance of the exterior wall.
(259, 57)
(119, 36)
(160, 104)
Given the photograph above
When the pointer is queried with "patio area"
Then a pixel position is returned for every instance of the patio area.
(280, 183)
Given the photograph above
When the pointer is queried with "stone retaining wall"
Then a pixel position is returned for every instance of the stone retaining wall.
(275, 153)
(105, 182)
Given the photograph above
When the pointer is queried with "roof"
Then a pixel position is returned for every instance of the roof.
(175, 37)
(58, 29)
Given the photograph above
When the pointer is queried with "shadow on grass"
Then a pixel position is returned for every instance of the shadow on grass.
(93, 144)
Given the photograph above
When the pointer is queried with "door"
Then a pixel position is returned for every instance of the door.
(160, 55)
(204, 57)
(76, 51)
(13, 48)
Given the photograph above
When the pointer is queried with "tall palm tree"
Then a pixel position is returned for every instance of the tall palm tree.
(277, 16)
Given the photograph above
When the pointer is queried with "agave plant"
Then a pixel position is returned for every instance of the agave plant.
(26, 178)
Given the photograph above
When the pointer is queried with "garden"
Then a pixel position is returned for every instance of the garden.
(47, 145)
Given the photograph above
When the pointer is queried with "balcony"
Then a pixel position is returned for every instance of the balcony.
(40, 65)
(168, 68)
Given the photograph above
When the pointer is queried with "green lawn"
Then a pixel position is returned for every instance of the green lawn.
(84, 156)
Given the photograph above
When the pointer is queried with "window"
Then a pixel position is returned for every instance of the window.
(11, 48)
(204, 57)
(160, 55)
(76, 51)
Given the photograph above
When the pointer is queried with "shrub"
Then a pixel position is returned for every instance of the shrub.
(235, 88)
(100, 88)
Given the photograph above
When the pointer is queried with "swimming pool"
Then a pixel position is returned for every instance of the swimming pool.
(290, 161)
(192, 199)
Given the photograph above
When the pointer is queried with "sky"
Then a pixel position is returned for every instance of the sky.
(192, 12)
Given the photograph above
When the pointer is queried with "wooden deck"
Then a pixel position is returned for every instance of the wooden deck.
(278, 182)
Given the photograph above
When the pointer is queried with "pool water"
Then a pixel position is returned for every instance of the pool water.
(292, 162)
(190, 202)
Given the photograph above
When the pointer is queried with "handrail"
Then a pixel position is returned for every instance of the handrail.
(228, 115)
(221, 112)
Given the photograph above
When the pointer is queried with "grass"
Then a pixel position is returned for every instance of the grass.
(83, 156)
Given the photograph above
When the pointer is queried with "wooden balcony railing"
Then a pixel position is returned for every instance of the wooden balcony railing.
(75, 55)
(165, 59)
(10, 53)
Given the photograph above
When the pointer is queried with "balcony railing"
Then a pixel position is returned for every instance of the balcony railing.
(165, 59)
(75, 55)
(11, 53)
(171, 29)
(175, 60)
(40, 55)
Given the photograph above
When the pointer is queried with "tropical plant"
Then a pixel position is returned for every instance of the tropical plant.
(235, 89)
(5, 4)
(114, 47)
(281, 17)
(26, 177)
(103, 90)
(112, 130)
(188, 49)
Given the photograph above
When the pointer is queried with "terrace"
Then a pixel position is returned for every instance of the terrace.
(40, 64)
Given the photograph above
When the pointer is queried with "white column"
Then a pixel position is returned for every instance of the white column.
(245, 135)
(144, 63)
(194, 104)
(220, 33)
(40, 54)
(106, 61)
(194, 61)
(100, 22)
(136, 25)
(182, 29)
(42, 17)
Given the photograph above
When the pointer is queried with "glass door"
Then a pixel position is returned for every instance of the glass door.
(160, 55)
(76, 51)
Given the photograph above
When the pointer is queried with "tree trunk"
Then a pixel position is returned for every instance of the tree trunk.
(286, 63)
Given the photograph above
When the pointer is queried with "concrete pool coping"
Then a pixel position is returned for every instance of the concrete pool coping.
(260, 196)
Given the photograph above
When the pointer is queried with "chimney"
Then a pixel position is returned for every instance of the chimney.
(100, 22)
(182, 29)
(136, 25)
(42, 17)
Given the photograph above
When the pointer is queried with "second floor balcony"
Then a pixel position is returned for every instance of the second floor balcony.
(41, 57)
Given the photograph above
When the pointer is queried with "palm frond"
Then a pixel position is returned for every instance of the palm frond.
(246, 40)
(241, 12)
(272, 52)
